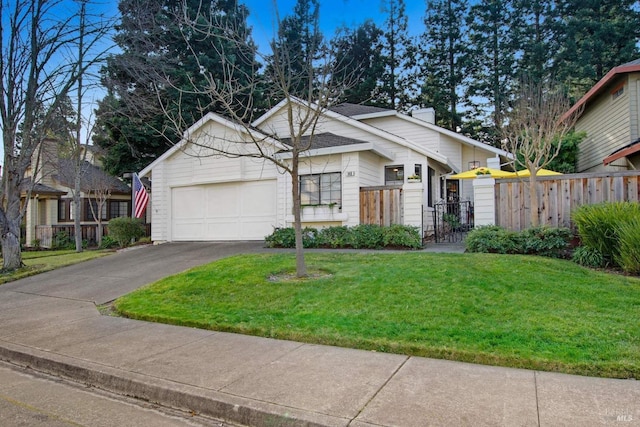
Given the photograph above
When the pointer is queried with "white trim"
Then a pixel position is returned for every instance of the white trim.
(200, 123)
(368, 146)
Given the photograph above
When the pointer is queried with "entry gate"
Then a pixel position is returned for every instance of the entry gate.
(452, 220)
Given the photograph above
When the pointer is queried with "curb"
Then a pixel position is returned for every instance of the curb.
(234, 409)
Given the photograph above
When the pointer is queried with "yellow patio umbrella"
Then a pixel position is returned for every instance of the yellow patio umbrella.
(542, 172)
(474, 173)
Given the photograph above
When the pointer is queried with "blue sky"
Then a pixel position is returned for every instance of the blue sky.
(333, 14)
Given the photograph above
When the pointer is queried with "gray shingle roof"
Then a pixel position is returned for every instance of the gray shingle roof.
(40, 188)
(635, 62)
(325, 140)
(92, 175)
(351, 110)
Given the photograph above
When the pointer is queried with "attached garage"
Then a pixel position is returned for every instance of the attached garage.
(226, 211)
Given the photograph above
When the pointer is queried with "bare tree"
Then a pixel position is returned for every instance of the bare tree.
(98, 191)
(233, 95)
(536, 126)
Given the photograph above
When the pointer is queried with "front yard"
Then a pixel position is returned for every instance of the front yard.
(37, 262)
(509, 310)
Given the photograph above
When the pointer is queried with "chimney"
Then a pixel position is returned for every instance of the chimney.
(425, 114)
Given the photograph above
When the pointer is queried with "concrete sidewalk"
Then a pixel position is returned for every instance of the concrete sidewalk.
(52, 325)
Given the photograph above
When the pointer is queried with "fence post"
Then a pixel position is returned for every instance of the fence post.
(484, 204)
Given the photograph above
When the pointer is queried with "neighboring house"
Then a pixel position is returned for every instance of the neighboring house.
(198, 195)
(50, 206)
(610, 118)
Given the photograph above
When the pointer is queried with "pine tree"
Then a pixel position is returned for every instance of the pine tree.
(596, 36)
(444, 57)
(359, 58)
(399, 57)
(159, 53)
(493, 52)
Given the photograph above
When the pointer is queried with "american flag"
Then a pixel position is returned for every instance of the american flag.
(140, 197)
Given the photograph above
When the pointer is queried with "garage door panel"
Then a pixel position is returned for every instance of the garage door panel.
(229, 211)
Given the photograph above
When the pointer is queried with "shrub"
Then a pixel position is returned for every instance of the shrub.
(545, 241)
(628, 257)
(108, 242)
(598, 225)
(125, 229)
(588, 257)
(62, 240)
(286, 238)
(367, 236)
(335, 237)
(492, 239)
(404, 236)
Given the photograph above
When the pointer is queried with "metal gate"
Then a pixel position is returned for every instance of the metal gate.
(452, 220)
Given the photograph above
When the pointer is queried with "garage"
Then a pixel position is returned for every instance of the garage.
(226, 211)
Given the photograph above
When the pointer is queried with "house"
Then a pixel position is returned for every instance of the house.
(49, 201)
(610, 117)
(365, 164)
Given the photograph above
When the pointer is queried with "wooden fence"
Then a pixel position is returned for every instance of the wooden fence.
(559, 196)
(381, 205)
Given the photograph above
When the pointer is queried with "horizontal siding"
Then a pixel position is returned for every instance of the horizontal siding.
(420, 135)
(634, 111)
(607, 125)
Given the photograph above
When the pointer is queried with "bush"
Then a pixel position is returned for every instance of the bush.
(358, 237)
(62, 240)
(403, 236)
(544, 241)
(629, 251)
(492, 239)
(588, 257)
(598, 226)
(367, 236)
(125, 229)
(335, 237)
(108, 242)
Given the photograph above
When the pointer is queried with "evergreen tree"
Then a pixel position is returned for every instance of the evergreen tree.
(359, 59)
(596, 36)
(160, 58)
(299, 44)
(493, 52)
(399, 57)
(444, 57)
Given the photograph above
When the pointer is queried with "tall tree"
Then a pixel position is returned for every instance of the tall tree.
(494, 49)
(35, 34)
(358, 54)
(299, 43)
(444, 57)
(399, 56)
(131, 126)
(596, 35)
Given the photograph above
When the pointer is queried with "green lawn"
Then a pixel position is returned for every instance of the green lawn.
(37, 262)
(509, 310)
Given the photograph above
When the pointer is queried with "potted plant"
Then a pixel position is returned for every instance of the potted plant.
(414, 178)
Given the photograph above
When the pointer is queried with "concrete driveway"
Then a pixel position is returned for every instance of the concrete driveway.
(105, 279)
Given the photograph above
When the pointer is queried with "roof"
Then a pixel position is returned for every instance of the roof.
(40, 188)
(625, 151)
(629, 67)
(352, 110)
(92, 176)
(325, 140)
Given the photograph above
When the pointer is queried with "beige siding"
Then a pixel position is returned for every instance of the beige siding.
(634, 98)
(607, 123)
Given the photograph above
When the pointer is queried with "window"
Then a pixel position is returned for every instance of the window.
(91, 209)
(63, 210)
(431, 179)
(118, 208)
(417, 170)
(617, 92)
(394, 175)
(321, 189)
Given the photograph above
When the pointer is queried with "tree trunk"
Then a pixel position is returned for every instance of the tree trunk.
(11, 254)
(99, 233)
(76, 221)
(301, 267)
(533, 195)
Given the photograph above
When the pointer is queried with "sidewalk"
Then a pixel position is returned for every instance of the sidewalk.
(266, 382)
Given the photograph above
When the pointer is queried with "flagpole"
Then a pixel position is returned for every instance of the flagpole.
(133, 195)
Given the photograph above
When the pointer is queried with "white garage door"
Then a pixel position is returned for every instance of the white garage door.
(230, 211)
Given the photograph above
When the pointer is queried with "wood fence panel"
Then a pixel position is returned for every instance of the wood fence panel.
(381, 205)
(559, 196)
